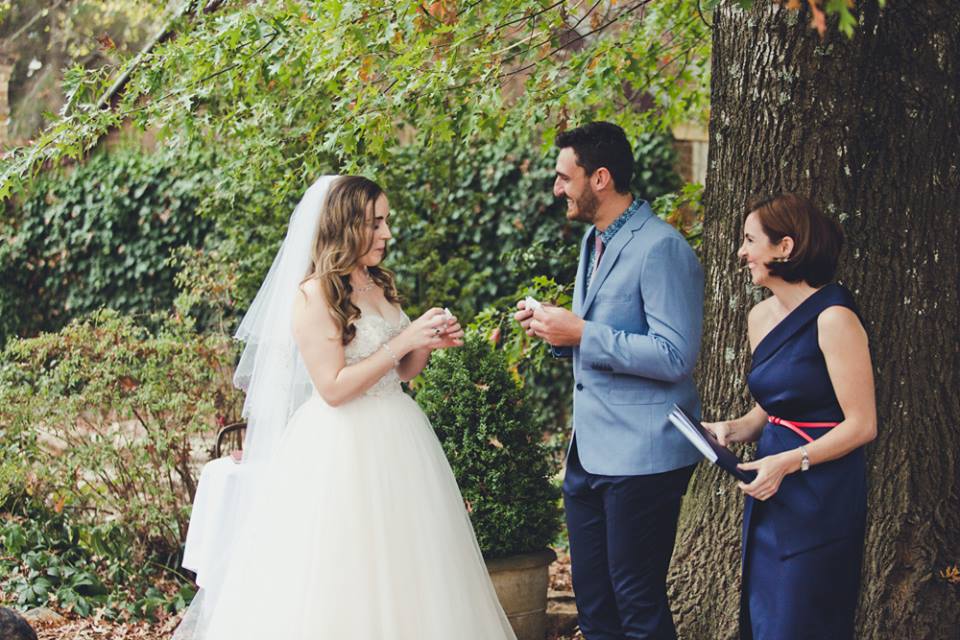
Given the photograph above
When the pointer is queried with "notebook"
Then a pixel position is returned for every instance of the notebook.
(707, 444)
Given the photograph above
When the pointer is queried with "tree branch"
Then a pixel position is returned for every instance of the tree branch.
(40, 14)
(579, 37)
(497, 28)
(572, 29)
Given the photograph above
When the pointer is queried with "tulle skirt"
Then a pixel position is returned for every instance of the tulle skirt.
(360, 533)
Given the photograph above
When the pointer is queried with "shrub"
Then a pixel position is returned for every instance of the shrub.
(488, 432)
(546, 379)
(110, 418)
(103, 425)
(99, 236)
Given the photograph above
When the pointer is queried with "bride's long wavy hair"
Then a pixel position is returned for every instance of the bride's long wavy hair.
(344, 235)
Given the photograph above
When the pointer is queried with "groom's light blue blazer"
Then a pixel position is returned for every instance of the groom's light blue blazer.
(644, 316)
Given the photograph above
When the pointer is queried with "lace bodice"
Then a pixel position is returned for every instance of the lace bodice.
(372, 332)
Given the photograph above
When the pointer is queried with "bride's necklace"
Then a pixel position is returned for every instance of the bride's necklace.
(368, 285)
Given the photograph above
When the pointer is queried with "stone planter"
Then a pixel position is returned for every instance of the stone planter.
(521, 584)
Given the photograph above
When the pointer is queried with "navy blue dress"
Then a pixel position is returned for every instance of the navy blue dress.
(802, 550)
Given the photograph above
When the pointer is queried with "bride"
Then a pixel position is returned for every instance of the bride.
(351, 525)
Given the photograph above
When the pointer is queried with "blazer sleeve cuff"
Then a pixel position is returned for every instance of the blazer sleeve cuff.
(592, 351)
(561, 352)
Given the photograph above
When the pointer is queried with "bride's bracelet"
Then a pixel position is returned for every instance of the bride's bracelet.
(396, 361)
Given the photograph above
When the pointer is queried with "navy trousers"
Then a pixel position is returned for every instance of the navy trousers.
(622, 531)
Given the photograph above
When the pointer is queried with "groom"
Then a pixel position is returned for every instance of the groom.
(634, 335)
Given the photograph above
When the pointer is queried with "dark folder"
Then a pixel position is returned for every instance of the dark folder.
(707, 444)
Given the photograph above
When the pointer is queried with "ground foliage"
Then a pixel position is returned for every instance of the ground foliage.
(104, 425)
(50, 559)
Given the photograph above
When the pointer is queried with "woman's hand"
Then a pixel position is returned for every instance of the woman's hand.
(770, 472)
(722, 430)
(427, 331)
(452, 335)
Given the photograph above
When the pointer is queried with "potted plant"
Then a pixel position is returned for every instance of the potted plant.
(493, 442)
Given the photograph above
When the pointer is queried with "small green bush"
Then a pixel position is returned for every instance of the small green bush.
(546, 379)
(104, 424)
(111, 419)
(489, 434)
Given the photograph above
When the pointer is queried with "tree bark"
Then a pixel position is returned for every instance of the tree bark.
(869, 128)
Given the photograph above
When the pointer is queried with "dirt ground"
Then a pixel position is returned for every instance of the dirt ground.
(93, 629)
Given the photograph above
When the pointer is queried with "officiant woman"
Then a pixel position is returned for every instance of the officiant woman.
(811, 377)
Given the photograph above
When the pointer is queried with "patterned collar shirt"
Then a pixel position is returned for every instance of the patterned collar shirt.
(606, 236)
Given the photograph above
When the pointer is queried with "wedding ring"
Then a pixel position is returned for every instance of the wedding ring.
(436, 331)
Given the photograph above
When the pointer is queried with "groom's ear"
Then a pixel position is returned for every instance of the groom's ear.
(601, 179)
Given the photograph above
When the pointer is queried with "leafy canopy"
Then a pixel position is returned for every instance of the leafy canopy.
(292, 88)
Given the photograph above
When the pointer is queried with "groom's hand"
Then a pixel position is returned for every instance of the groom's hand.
(524, 317)
(558, 326)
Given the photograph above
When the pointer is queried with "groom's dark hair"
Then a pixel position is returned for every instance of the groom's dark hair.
(601, 144)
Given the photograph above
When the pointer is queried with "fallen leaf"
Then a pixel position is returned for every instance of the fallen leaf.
(106, 42)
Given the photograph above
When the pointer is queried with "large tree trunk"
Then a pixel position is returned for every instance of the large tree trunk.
(870, 129)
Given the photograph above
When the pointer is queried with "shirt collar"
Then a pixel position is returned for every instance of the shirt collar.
(607, 234)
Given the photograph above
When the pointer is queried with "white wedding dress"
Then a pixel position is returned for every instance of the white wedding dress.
(361, 532)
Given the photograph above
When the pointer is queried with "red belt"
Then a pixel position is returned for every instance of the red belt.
(797, 427)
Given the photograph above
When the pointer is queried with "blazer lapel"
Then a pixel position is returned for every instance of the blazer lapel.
(610, 254)
(580, 285)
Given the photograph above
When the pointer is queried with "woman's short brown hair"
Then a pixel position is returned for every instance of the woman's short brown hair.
(817, 239)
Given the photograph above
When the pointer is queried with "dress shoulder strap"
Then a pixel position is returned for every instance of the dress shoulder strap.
(827, 296)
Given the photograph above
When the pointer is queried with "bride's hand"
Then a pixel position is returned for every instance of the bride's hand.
(427, 331)
(452, 336)
(722, 430)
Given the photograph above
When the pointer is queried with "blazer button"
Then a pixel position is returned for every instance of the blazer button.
(579, 386)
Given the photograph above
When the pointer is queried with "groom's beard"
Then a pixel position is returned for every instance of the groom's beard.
(584, 208)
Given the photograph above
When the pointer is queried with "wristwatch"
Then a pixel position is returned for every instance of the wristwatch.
(805, 461)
